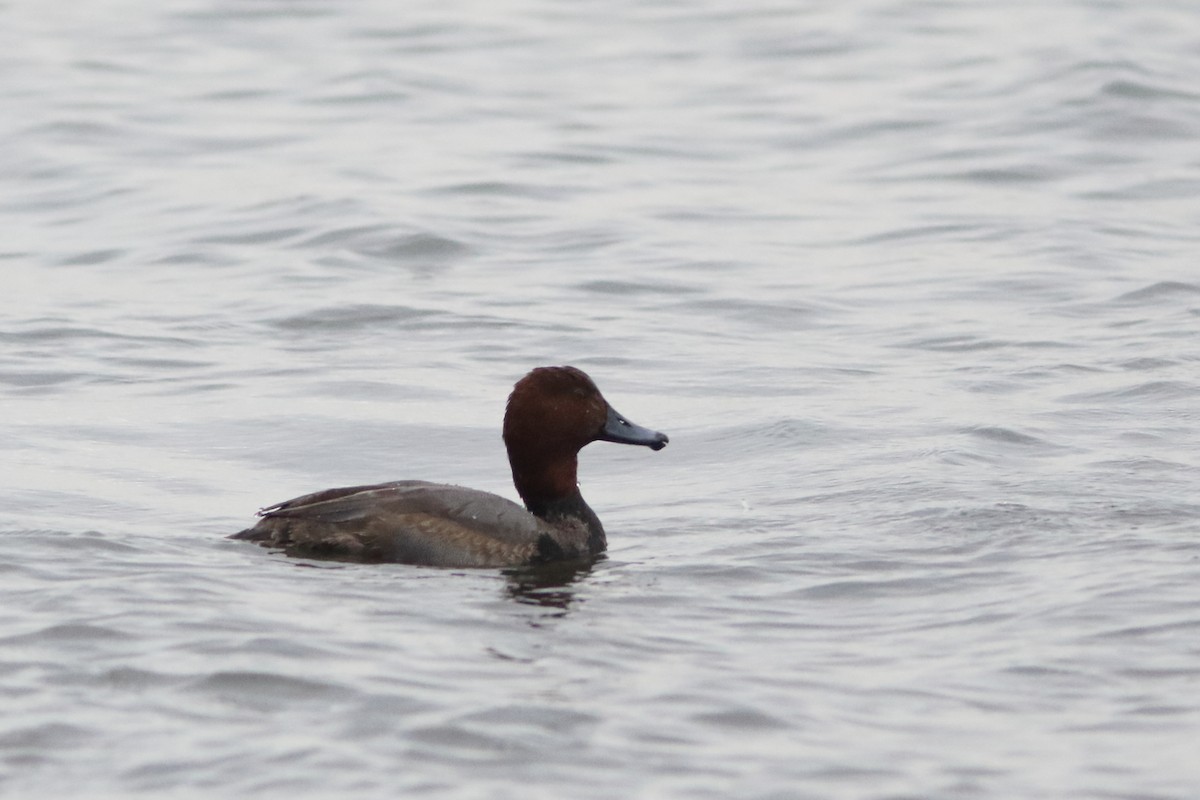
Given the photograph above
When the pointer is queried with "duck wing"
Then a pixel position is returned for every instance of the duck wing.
(413, 522)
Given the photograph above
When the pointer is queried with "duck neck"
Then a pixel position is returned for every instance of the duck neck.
(552, 493)
(574, 507)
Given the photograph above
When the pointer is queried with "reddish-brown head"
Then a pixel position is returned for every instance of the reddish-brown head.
(552, 413)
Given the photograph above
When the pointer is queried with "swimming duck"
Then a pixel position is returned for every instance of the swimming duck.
(552, 413)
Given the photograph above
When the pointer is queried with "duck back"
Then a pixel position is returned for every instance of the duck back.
(416, 522)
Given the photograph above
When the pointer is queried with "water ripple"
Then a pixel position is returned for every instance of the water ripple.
(1162, 291)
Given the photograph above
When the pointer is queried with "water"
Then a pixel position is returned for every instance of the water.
(911, 285)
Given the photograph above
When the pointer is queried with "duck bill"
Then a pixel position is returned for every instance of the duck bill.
(622, 431)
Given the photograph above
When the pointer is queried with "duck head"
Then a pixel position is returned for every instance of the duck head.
(553, 413)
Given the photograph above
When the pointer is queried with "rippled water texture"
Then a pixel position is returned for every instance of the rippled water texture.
(913, 287)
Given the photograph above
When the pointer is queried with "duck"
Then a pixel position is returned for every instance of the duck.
(552, 414)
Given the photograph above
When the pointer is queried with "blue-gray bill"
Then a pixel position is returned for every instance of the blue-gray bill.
(622, 431)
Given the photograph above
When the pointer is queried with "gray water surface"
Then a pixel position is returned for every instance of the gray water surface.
(912, 286)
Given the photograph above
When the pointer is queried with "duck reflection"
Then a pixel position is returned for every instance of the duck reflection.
(549, 585)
